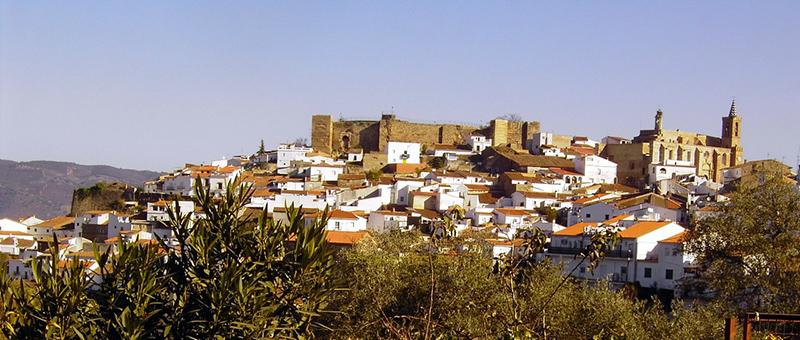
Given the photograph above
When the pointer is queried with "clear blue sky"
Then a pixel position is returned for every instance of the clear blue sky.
(153, 84)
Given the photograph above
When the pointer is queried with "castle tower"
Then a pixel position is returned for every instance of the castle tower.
(731, 134)
(322, 133)
(659, 121)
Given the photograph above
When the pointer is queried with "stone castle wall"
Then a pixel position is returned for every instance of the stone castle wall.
(373, 136)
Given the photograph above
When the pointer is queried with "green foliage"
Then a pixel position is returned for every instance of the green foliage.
(748, 252)
(549, 214)
(437, 162)
(373, 174)
(224, 277)
(93, 190)
(389, 298)
(56, 305)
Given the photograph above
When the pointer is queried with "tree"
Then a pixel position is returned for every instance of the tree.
(511, 117)
(261, 149)
(437, 162)
(748, 252)
(223, 277)
(389, 292)
(374, 174)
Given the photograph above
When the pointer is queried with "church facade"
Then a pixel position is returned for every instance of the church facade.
(707, 155)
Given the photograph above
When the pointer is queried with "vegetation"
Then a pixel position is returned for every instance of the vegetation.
(474, 297)
(748, 252)
(261, 148)
(93, 190)
(437, 162)
(374, 174)
(224, 278)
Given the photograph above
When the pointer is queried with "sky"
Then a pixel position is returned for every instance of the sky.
(155, 84)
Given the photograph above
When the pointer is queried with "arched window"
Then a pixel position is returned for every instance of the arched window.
(662, 171)
(345, 142)
(736, 130)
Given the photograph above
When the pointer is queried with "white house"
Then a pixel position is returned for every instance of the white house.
(596, 169)
(666, 264)
(30, 220)
(341, 220)
(323, 172)
(509, 221)
(547, 227)
(11, 225)
(385, 220)
(478, 143)
(403, 153)
(404, 185)
(100, 225)
(354, 155)
(291, 152)
(157, 211)
(450, 152)
(626, 262)
(669, 169)
(530, 200)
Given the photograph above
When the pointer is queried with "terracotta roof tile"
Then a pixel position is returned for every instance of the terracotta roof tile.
(575, 229)
(642, 228)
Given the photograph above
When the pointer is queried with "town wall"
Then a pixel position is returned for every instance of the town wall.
(373, 136)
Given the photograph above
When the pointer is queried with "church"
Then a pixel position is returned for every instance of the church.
(698, 153)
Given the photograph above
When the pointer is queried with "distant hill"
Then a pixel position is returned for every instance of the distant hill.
(44, 188)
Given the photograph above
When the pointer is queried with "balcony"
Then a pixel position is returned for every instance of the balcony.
(564, 250)
(574, 251)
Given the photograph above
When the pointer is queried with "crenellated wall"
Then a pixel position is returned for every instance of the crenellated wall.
(373, 136)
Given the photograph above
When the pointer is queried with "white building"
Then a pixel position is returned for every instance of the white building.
(631, 261)
(478, 143)
(596, 169)
(157, 211)
(291, 152)
(340, 220)
(669, 169)
(403, 153)
(385, 220)
(100, 225)
(531, 200)
(323, 172)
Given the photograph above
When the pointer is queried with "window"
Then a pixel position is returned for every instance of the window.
(588, 215)
(648, 272)
(669, 274)
(219, 186)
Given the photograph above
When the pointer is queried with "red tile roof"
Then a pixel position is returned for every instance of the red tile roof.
(642, 228)
(347, 238)
(575, 229)
(513, 212)
(677, 239)
(617, 219)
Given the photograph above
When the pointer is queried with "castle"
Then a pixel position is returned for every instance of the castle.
(707, 155)
(330, 136)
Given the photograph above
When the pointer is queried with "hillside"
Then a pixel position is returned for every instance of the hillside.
(44, 188)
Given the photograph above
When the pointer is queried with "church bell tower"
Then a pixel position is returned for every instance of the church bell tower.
(731, 135)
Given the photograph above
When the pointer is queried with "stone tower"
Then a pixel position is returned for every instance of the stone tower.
(322, 133)
(659, 121)
(731, 135)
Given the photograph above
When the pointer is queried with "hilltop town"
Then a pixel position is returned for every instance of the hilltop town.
(509, 177)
